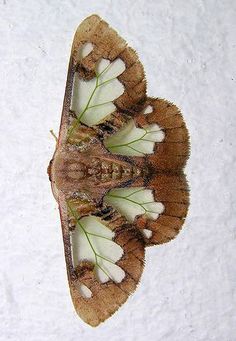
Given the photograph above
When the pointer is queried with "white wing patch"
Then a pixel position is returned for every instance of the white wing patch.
(94, 233)
(85, 291)
(84, 50)
(147, 233)
(148, 110)
(131, 202)
(133, 141)
(93, 100)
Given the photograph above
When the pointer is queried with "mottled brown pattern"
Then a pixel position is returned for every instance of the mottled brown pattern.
(82, 171)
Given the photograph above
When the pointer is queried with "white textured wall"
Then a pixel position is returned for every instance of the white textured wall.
(187, 291)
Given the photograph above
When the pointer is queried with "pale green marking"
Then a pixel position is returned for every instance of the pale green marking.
(86, 233)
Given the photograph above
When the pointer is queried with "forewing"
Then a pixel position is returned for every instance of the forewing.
(105, 298)
(95, 45)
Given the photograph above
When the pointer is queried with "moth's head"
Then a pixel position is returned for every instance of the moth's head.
(66, 171)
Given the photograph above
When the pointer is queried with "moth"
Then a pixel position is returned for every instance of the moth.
(117, 171)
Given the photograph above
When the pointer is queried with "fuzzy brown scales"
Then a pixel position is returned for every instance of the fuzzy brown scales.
(73, 168)
(82, 171)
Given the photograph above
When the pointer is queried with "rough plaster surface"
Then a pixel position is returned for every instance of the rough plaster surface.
(187, 291)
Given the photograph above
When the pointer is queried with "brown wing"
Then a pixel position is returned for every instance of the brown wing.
(167, 180)
(165, 177)
(106, 297)
(109, 45)
(171, 154)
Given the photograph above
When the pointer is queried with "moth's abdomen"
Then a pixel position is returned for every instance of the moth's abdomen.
(115, 171)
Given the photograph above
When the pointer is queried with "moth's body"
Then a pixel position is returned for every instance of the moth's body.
(93, 170)
(84, 169)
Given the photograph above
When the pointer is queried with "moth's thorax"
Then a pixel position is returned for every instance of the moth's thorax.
(74, 170)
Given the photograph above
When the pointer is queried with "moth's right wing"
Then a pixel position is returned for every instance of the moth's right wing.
(169, 183)
(165, 177)
(105, 297)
